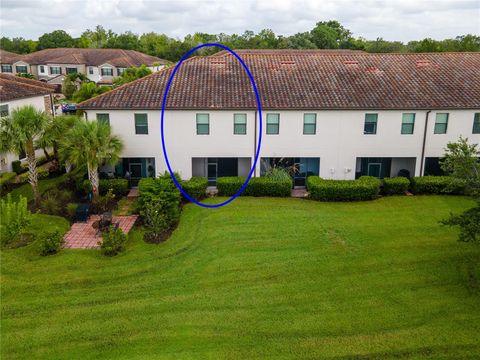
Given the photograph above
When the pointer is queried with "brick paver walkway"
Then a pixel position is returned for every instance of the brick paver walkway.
(84, 236)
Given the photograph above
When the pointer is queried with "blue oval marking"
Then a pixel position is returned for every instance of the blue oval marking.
(164, 102)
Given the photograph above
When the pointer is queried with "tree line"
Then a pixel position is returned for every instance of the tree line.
(325, 35)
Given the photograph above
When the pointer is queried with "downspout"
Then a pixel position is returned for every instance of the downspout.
(255, 145)
(52, 105)
(422, 160)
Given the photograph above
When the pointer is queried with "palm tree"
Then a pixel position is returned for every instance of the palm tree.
(91, 143)
(55, 131)
(20, 132)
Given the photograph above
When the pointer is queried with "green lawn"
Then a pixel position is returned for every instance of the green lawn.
(257, 279)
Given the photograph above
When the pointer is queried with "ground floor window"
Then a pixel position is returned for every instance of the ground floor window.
(22, 69)
(432, 167)
(215, 167)
(135, 169)
(377, 167)
(6, 68)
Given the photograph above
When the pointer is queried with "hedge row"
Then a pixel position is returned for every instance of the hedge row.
(119, 186)
(195, 187)
(365, 188)
(6, 179)
(437, 185)
(20, 168)
(261, 186)
(42, 174)
(395, 186)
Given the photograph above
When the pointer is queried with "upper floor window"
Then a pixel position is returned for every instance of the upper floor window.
(273, 124)
(120, 71)
(476, 124)
(6, 68)
(141, 124)
(55, 70)
(107, 71)
(441, 123)
(103, 118)
(239, 124)
(70, 70)
(370, 127)
(309, 124)
(203, 124)
(42, 69)
(90, 70)
(408, 123)
(3, 110)
(21, 69)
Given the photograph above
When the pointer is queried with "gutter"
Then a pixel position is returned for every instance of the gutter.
(422, 160)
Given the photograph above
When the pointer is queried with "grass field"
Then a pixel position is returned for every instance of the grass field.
(257, 279)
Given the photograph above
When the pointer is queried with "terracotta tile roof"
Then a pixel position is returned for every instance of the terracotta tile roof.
(94, 57)
(309, 80)
(7, 57)
(15, 87)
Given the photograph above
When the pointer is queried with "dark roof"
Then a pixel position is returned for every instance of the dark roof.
(15, 87)
(308, 80)
(7, 57)
(94, 57)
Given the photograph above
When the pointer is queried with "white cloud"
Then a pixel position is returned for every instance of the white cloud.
(391, 19)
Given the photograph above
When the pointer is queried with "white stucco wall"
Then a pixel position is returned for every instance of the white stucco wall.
(338, 141)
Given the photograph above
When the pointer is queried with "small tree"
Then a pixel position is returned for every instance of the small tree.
(15, 217)
(88, 90)
(462, 161)
(68, 87)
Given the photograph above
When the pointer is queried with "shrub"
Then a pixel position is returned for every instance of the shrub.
(53, 200)
(42, 174)
(364, 188)
(278, 173)
(437, 185)
(17, 167)
(119, 187)
(72, 210)
(50, 242)
(15, 217)
(395, 186)
(156, 223)
(6, 179)
(113, 241)
(195, 187)
(104, 203)
(229, 185)
(265, 186)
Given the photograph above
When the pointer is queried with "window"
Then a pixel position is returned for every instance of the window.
(370, 127)
(239, 124)
(203, 124)
(103, 118)
(441, 123)
(3, 110)
(120, 71)
(476, 124)
(273, 124)
(408, 123)
(55, 70)
(6, 68)
(21, 69)
(90, 70)
(70, 70)
(107, 71)
(141, 124)
(309, 124)
(42, 68)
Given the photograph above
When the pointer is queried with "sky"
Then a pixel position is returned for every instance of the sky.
(401, 20)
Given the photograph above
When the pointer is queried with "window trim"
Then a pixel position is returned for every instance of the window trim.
(277, 124)
(365, 123)
(235, 123)
(71, 68)
(436, 123)
(105, 68)
(52, 72)
(412, 124)
(6, 112)
(21, 66)
(140, 126)
(106, 121)
(476, 123)
(197, 123)
(90, 70)
(7, 66)
(314, 124)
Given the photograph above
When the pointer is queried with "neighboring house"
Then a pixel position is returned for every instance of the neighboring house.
(99, 65)
(16, 92)
(11, 63)
(337, 114)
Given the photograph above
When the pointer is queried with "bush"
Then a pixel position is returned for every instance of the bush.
(437, 185)
(395, 186)
(104, 203)
(42, 174)
(156, 223)
(72, 210)
(119, 186)
(53, 200)
(17, 167)
(113, 241)
(265, 186)
(50, 242)
(15, 217)
(229, 185)
(195, 187)
(6, 179)
(364, 188)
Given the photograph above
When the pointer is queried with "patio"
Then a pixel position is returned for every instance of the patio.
(83, 235)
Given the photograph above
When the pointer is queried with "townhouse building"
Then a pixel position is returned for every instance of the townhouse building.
(99, 65)
(337, 114)
(16, 92)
